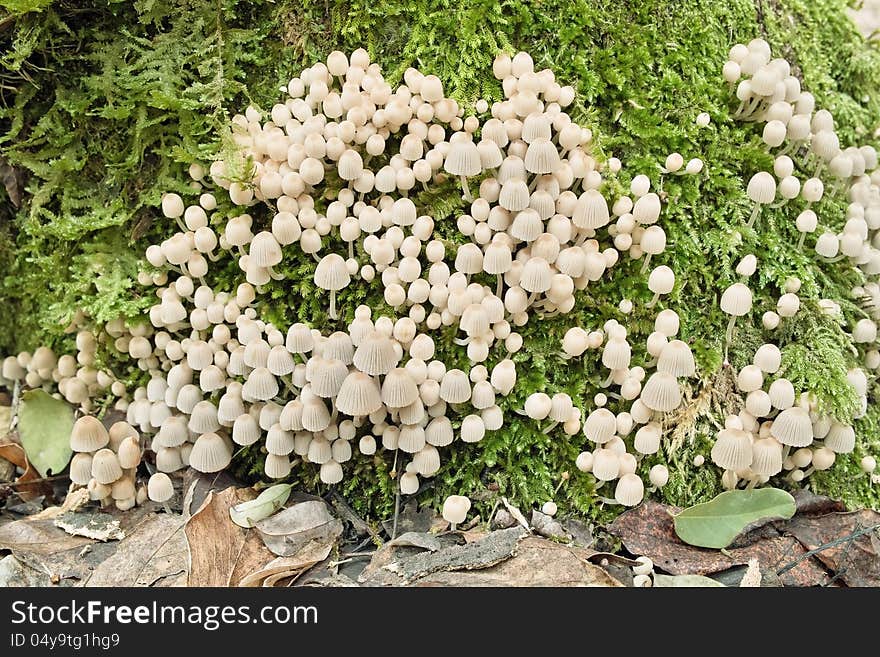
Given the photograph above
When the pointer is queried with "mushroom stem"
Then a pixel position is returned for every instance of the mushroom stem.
(332, 312)
(752, 483)
(800, 244)
(167, 509)
(809, 471)
(213, 257)
(653, 301)
(755, 212)
(275, 275)
(499, 286)
(316, 257)
(729, 334)
(646, 263)
(351, 250)
(785, 451)
(550, 427)
(608, 381)
(465, 189)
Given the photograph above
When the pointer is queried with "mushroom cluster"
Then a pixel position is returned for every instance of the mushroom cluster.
(106, 461)
(643, 401)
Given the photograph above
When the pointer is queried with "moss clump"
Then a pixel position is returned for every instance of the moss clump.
(106, 103)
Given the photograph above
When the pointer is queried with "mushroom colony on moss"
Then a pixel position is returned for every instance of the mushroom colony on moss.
(418, 338)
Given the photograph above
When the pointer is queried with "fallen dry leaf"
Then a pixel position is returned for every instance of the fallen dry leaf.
(29, 485)
(151, 551)
(752, 578)
(648, 530)
(856, 562)
(537, 562)
(221, 552)
(98, 526)
(75, 500)
(288, 567)
(291, 530)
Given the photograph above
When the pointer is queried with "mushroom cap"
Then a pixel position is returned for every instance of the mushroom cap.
(841, 438)
(160, 488)
(647, 440)
(600, 426)
(455, 388)
(661, 280)
(766, 457)
(331, 273)
(647, 208)
(411, 438)
(737, 300)
(399, 389)
(768, 358)
(762, 188)
(455, 509)
(88, 435)
(279, 441)
(542, 156)
(315, 415)
(659, 475)
(661, 393)
(676, 359)
(606, 464)
(261, 385)
(591, 211)
(617, 354)
(793, 427)
(245, 430)
(299, 339)
(629, 490)
(327, 379)
(81, 468)
(129, 453)
(439, 432)
(375, 355)
(276, 466)
(105, 466)
(732, 449)
(473, 429)
(782, 394)
(359, 395)
(210, 453)
(264, 251)
(463, 159)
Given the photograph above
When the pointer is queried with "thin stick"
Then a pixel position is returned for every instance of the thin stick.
(825, 546)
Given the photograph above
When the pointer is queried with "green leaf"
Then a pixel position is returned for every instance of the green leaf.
(44, 426)
(248, 514)
(716, 523)
(686, 581)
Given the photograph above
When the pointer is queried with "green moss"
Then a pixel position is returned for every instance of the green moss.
(104, 104)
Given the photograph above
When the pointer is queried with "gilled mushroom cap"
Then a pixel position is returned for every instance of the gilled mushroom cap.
(591, 211)
(647, 439)
(661, 393)
(299, 339)
(616, 354)
(375, 355)
(676, 359)
(159, 488)
(265, 251)
(439, 432)
(105, 467)
(537, 276)
(762, 188)
(81, 468)
(210, 453)
(261, 385)
(280, 361)
(203, 418)
(338, 346)
(463, 158)
(315, 415)
(88, 435)
(129, 453)
(600, 426)
(455, 388)
(473, 429)
(606, 464)
(331, 273)
(331, 472)
(542, 156)
(793, 427)
(245, 430)
(399, 389)
(766, 457)
(629, 490)
(276, 466)
(768, 358)
(279, 441)
(732, 449)
(359, 395)
(841, 438)
(328, 377)
(411, 438)
(736, 300)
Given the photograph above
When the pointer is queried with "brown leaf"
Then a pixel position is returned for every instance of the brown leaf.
(288, 567)
(14, 453)
(648, 530)
(292, 529)
(856, 562)
(808, 503)
(43, 547)
(221, 552)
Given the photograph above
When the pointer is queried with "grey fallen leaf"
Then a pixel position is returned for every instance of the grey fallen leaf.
(752, 578)
(684, 581)
(417, 539)
(548, 527)
(495, 548)
(14, 573)
(503, 519)
(98, 526)
(289, 531)
(516, 513)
